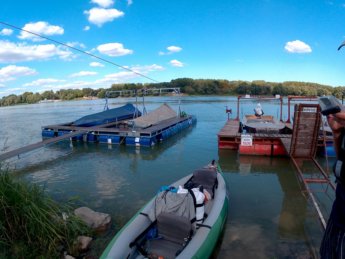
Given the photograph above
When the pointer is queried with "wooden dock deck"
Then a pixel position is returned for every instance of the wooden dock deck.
(231, 128)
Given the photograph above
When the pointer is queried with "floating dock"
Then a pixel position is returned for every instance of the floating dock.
(111, 133)
(229, 137)
(122, 125)
(121, 132)
(232, 135)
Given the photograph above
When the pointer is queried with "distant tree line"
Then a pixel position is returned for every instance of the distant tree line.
(187, 86)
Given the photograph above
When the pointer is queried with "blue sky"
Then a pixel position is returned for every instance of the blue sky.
(292, 40)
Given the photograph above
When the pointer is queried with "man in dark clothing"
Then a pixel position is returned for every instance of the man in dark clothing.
(333, 242)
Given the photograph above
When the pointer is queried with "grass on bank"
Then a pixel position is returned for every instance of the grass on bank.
(31, 224)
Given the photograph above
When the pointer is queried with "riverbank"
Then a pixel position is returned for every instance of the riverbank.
(187, 86)
(32, 224)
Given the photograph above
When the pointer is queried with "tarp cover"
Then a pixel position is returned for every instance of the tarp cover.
(121, 113)
(164, 112)
(180, 204)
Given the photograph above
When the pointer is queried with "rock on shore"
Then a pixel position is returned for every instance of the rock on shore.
(96, 220)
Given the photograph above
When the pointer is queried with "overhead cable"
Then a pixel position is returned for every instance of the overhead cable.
(79, 50)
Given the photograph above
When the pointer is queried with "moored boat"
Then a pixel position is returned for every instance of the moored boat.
(176, 223)
(127, 111)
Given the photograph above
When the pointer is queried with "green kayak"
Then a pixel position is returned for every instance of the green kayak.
(184, 220)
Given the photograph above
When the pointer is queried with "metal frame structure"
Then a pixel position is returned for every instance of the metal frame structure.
(301, 98)
(248, 97)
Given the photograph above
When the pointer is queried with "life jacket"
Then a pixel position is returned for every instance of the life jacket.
(339, 166)
(199, 202)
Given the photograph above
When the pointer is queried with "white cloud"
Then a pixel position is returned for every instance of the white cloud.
(44, 81)
(176, 63)
(19, 52)
(99, 16)
(114, 49)
(6, 32)
(86, 28)
(297, 46)
(103, 3)
(119, 77)
(41, 28)
(11, 72)
(96, 64)
(83, 73)
(1, 85)
(148, 68)
(171, 50)
(174, 49)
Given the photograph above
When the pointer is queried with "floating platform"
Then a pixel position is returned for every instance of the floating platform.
(121, 132)
(263, 135)
(229, 137)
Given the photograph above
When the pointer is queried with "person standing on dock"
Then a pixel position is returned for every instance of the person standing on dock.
(333, 242)
(258, 111)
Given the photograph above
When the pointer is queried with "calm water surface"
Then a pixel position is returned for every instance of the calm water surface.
(269, 217)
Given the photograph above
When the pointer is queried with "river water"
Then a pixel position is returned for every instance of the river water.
(269, 217)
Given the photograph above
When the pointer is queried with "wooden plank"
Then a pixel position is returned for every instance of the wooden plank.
(37, 145)
(230, 128)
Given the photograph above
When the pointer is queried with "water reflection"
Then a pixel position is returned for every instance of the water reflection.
(269, 216)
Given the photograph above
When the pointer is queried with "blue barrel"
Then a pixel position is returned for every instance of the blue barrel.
(164, 135)
(91, 137)
(130, 141)
(110, 139)
(330, 151)
(78, 138)
(47, 133)
(63, 132)
(146, 142)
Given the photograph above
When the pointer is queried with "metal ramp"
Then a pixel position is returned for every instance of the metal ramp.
(303, 146)
(307, 120)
